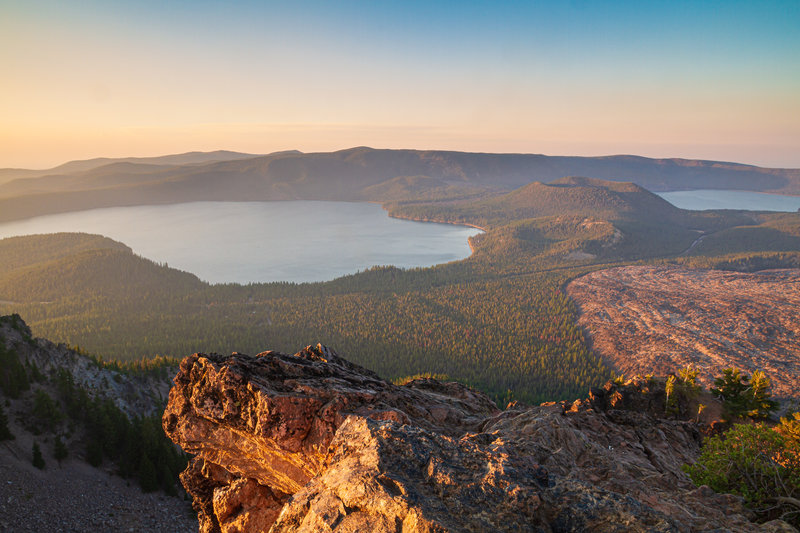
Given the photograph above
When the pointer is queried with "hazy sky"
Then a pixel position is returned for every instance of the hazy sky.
(712, 80)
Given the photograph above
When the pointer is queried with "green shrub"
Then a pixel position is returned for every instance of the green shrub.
(756, 462)
(790, 426)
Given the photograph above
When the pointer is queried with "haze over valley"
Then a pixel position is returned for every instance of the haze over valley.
(541, 304)
(536, 233)
(399, 266)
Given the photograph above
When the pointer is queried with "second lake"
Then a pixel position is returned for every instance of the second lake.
(726, 199)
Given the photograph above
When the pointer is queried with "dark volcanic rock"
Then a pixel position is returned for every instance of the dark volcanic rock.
(646, 319)
(311, 442)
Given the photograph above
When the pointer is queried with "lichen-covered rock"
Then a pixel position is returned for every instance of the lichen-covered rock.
(310, 442)
(384, 477)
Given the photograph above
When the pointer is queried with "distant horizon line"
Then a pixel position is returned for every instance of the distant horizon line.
(351, 148)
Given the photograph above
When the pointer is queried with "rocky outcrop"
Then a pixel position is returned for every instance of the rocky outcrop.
(645, 319)
(272, 418)
(310, 442)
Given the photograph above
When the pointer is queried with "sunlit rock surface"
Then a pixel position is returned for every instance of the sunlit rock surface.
(645, 319)
(310, 442)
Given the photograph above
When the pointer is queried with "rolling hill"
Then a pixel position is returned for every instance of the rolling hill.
(498, 320)
(579, 218)
(355, 174)
(566, 196)
(65, 266)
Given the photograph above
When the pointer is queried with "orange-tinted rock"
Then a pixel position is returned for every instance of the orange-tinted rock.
(311, 442)
(656, 320)
(245, 505)
(271, 418)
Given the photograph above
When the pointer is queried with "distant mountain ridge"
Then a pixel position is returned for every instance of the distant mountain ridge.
(355, 174)
(187, 158)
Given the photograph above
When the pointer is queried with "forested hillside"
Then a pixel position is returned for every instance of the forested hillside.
(498, 320)
(460, 320)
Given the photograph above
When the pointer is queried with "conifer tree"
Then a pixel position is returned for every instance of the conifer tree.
(744, 396)
(168, 483)
(59, 450)
(94, 453)
(38, 460)
(761, 404)
(669, 390)
(5, 433)
(147, 475)
(688, 378)
(45, 410)
(731, 388)
(13, 377)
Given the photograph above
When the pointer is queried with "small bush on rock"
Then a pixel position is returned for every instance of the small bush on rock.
(757, 462)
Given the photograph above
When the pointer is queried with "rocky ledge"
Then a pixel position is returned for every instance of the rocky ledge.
(310, 442)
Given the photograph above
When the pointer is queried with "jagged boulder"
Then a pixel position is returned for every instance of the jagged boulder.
(310, 442)
(271, 418)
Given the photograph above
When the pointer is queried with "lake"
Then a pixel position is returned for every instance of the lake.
(724, 199)
(245, 242)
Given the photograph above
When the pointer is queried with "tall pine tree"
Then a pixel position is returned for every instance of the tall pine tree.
(147, 475)
(38, 460)
(5, 433)
(731, 388)
(761, 403)
(59, 450)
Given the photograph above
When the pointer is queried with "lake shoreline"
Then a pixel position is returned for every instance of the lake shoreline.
(264, 242)
(436, 221)
(469, 239)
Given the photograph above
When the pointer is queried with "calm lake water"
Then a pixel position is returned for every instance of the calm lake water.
(718, 199)
(247, 242)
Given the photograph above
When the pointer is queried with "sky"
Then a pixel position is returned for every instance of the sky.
(695, 79)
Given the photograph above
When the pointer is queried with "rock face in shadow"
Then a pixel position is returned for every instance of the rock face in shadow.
(310, 442)
(645, 319)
